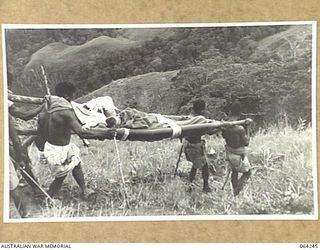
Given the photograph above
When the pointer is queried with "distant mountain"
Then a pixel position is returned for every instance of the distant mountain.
(144, 34)
(59, 56)
(93, 63)
(276, 79)
(164, 70)
(277, 85)
(92, 58)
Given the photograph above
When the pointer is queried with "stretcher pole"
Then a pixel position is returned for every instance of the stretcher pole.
(38, 186)
(178, 161)
(121, 172)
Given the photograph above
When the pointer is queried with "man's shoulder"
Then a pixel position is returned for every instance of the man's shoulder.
(65, 113)
(238, 128)
(235, 129)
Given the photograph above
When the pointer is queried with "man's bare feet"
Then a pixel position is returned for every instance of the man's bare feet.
(86, 193)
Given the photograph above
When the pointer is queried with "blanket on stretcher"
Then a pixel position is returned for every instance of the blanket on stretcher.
(129, 117)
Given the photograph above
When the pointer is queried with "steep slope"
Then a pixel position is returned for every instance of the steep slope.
(271, 85)
(143, 34)
(58, 56)
(151, 92)
(274, 72)
(276, 79)
(292, 43)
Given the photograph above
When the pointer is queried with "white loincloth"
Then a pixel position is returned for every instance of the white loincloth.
(61, 159)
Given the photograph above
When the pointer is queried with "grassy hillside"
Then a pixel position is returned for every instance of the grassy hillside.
(60, 59)
(290, 44)
(268, 67)
(151, 92)
(279, 81)
(71, 54)
(91, 67)
(277, 85)
(59, 56)
(282, 182)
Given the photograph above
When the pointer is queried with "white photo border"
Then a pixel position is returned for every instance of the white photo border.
(314, 216)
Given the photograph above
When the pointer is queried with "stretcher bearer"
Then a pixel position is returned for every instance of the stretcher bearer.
(54, 126)
(195, 150)
(22, 113)
(237, 139)
(16, 191)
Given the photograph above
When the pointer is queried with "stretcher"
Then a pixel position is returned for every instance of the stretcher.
(183, 128)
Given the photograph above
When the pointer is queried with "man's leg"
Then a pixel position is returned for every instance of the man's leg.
(19, 202)
(192, 174)
(16, 193)
(27, 169)
(56, 185)
(79, 178)
(29, 172)
(234, 180)
(205, 176)
(242, 182)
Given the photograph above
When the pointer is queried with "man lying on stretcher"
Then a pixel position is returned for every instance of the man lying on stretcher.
(102, 112)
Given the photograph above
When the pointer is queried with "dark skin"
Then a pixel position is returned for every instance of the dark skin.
(18, 112)
(25, 115)
(16, 194)
(196, 138)
(205, 168)
(16, 143)
(62, 123)
(236, 137)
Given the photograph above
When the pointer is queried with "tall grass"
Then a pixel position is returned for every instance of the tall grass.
(281, 182)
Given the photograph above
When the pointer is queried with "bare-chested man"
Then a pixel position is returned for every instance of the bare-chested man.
(24, 114)
(237, 139)
(195, 151)
(55, 126)
(15, 191)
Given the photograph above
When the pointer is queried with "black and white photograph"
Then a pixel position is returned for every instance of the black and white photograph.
(160, 122)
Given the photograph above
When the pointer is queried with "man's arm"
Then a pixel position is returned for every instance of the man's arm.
(93, 133)
(244, 136)
(42, 129)
(16, 141)
(24, 114)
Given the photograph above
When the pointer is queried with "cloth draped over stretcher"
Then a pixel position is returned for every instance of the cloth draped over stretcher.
(87, 117)
(135, 119)
(129, 117)
(95, 112)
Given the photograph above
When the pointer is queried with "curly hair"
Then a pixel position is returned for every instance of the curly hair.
(235, 108)
(65, 88)
(199, 106)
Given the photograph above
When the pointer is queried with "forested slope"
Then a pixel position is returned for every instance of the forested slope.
(268, 66)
